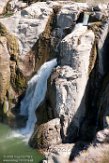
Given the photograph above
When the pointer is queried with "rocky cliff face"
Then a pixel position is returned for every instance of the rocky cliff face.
(76, 102)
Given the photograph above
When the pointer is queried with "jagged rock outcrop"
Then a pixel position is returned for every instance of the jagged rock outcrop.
(28, 25)
(73, 77)
(16, 5)
(47, 134)
(102, 136)
(3, 4)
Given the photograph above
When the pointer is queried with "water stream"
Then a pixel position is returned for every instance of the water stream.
(14, 143)
(35, 94)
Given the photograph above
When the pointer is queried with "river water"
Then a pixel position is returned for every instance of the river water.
(14, 149)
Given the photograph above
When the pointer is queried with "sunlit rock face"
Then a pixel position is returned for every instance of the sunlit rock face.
(28, 25)
(40, 32)
(3, 4)
(72, 81)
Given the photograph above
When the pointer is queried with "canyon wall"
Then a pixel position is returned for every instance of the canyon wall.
(76, 102)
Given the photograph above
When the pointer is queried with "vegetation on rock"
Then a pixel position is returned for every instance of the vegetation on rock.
(12, 42)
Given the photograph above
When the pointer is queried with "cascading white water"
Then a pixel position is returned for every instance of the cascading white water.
(85, 19)
(35, 94)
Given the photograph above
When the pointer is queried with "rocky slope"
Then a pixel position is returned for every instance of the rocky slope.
(76, 102)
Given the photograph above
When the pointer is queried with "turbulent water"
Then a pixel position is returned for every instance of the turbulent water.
(13, 149)
(35, 94)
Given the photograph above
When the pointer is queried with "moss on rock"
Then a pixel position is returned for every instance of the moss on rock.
(17, 80)
(13, 47)
(12, 42)
(20, 81)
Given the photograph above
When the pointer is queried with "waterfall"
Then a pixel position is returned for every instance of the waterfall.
(35, 94)
(85, 19)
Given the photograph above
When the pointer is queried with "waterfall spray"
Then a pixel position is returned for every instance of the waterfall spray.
(35, 94)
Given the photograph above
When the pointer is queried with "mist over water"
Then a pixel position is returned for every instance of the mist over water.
(14, 148)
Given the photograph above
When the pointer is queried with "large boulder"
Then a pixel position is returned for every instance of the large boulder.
(46, 134)
(71, 84)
